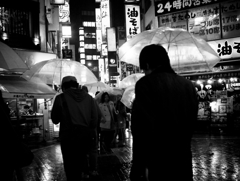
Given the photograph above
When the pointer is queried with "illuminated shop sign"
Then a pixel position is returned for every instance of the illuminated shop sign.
(98, 29)
(176, 20)
(64, 13)
(105, 17)
(57, 2)
(111, 39)
(132, 20)
(166, 6)
(205, 22)
(212, 22)
(230, 19)
(226, 48)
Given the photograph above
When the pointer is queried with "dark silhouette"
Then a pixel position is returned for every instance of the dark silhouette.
(93, 154)
(163, 114)
(121, 121)
(77, 113)
(15, 154)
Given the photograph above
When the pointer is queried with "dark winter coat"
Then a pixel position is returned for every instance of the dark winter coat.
(164, 111)
(82, 108)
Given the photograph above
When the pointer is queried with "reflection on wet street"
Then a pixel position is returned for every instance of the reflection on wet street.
(215, 158)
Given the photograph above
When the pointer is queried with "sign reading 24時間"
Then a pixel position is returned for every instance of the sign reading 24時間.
(167, 6)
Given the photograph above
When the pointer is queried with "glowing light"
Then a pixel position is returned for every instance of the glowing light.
(4, 36)
(89, 64)
(220, 80)
(199, 82)
(210, 81)
(36, 41)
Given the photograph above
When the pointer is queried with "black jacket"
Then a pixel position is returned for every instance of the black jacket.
(163, 114)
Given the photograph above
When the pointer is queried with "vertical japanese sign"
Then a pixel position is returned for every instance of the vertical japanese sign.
(64, 13)
(98, 29)
(111, 40)
(205, 22)
(101, 68)
(105, 16)
(230, 19)
(132, 15)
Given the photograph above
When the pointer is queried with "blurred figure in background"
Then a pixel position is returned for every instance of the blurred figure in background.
(121, 121)
(108, 121)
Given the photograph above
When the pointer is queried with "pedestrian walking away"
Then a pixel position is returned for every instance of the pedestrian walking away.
(77, 113)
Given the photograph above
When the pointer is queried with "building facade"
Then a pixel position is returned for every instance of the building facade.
(218, 23)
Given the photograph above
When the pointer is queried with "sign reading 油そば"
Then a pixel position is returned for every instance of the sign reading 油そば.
(226, 48)
(132, 14)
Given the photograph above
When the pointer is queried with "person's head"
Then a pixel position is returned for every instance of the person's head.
(105, 97)
(153, 56)
(85, 88)
(69, 82)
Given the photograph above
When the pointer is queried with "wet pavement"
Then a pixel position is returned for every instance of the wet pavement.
(215, 158)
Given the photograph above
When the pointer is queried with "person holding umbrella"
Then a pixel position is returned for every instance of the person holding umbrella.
(163, 115)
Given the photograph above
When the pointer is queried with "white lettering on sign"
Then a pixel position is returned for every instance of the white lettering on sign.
(105, 16)
(165, 6)
(64, 13)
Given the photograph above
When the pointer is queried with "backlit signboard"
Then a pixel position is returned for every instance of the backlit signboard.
(64, 13)
(167, 6)
(57, 2)
(132, 15)
(98, 29)
(111, 39)
(105, 16)
(226, 48)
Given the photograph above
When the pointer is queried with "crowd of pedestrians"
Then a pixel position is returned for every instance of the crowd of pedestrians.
(163, 100)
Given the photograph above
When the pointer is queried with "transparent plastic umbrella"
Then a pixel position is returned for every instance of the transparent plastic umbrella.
(52, 71)
(113, 93)
(97, 86)
(130, 80)
(128, 96)
(10, 60)
(187, 52)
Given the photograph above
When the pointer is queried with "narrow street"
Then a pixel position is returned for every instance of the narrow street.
(214, 158)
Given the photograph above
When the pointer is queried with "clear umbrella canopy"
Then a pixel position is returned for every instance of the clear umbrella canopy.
(52, 71)
(187, 53)
(10, 60)
(130, 80)
(128, 96)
